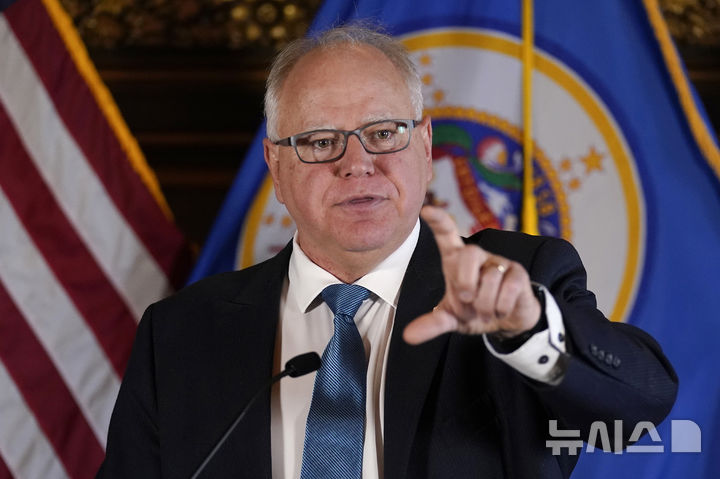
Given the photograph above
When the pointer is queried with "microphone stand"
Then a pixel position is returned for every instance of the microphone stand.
(295, 367)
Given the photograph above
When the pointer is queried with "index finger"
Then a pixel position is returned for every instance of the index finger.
(444, 229)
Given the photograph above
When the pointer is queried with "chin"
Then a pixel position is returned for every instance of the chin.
(368, 239)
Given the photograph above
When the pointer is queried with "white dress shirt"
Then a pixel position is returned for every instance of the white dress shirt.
(306, 324)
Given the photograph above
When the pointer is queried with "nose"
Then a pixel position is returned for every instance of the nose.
(356, 161)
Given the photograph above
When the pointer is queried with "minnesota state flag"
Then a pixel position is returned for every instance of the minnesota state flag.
(623, 165)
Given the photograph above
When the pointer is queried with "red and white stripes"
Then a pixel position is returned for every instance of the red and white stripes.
(84, 247)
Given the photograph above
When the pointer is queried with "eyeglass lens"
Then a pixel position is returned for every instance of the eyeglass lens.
(324, 145)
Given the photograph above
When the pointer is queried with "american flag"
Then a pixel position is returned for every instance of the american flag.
(86, 243)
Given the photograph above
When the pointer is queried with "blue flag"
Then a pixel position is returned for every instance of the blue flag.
(624, 166)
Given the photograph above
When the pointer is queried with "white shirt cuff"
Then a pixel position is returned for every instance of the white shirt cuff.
(539, 357)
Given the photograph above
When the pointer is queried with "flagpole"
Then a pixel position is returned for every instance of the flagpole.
(529, 218)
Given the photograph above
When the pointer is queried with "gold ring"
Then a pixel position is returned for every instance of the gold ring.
(501, 267)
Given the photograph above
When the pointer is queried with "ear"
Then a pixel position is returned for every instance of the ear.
(272, 160)
(425, 128)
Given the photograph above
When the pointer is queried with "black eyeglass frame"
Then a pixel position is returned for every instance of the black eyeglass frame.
(291, 140)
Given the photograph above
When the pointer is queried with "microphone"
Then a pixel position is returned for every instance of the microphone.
(298, 366)
(301, 365)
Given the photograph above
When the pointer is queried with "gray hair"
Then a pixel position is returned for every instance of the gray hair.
(355, 34)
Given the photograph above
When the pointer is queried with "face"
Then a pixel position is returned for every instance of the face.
(353, 212)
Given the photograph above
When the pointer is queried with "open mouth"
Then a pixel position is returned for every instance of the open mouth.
(362, 200)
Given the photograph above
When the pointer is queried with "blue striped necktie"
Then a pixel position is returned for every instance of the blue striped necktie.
(335, 426)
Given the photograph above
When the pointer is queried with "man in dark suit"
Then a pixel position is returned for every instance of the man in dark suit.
(471, 348)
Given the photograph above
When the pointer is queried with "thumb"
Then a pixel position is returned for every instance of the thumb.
(429, 326)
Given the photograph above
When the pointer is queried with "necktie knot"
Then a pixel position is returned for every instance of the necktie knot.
(345, 299)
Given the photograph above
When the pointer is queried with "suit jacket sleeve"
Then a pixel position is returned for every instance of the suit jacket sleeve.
(614, 371)
(133, 445)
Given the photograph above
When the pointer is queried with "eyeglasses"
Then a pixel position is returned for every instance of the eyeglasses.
(325, 146)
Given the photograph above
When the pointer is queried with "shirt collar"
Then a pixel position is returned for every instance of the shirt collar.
(307, 280)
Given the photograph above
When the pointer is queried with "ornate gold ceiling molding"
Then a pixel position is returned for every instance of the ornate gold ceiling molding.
(693, 22)
(217, 24)
(235, 24)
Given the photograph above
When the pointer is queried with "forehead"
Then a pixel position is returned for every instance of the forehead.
(342, 87)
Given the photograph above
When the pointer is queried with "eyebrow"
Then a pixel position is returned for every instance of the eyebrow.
(318, 127)
(365, 121)
(384, 116)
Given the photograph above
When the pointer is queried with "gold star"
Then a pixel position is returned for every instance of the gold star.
(269, 219)
(425, 60)
(574, 184)
(438, 96)
(593, 161)
(286, 221)
(566, 164)
(427, 79)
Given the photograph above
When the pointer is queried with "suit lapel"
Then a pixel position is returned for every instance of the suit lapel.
(257, 307)
(410, 369)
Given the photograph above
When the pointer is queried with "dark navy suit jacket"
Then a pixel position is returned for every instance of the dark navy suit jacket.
(452, 410)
